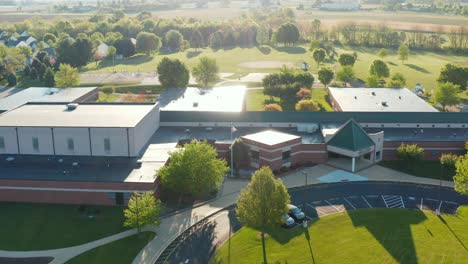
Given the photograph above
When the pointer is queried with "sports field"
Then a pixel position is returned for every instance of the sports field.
(361, 236)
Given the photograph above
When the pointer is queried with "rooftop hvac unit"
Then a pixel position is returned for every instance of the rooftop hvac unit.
(71, 107)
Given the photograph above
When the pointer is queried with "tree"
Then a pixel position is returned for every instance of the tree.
(262, 204)
(11, 78)
(272, 108)
(347, 60)
(84, 51)
(241, 157)
(49, 78)
(172, 73)
(403, 52)
(446, 94)
(67, 76)
(173, 40)
(196, 40)
(461, 175)
(288, 33)
(206, 71)
(194, 169)
(346, 74)
(319, 56)
(325, 75)
(307, 105)
(49, 38)
(454, 74)
(448, 160)
(397, 81)
(216, 40)
(382, 53)
(107, 90)
(379, 68)
(411, 153)
(125, 47)
(304, 93)
(143, 209)
(147, 42)
(373, 81)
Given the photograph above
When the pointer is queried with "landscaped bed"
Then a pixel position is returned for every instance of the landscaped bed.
(423, 168)
(361, 236)
(121, 251)
(26, 227)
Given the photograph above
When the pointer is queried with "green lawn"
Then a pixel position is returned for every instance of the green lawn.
(42, 226)
(422, 67)
(256, 99)
(422, 168)
(121, 251)
(361, 236)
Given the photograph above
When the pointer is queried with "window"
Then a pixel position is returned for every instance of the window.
(2, 143)
(71, 144)
(107, 144)
(377, 155)
(35, 143)
(286, 156)
(254, 156)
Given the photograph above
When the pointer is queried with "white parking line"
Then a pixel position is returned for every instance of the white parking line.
(402, 202)
(349, 203)
(432, 199)
(316, 209)
(384, 201)
(334, 206)
(370, 206)
(440, 205)
(420, 207)
(450, 202)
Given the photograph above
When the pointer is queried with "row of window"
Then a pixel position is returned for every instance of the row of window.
(70, 144)
(255, 156)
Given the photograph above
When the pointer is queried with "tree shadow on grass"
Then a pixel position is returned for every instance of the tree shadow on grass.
(441, 218)
(417, 68)
(391, 229)
(291, 50)
(265, 50)
(192, 54)
(284, 235)
(392, 63)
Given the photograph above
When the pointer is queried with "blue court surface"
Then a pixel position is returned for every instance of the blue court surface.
(341, 176)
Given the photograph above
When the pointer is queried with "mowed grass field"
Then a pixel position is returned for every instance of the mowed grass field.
(422, 67)
(361, 236)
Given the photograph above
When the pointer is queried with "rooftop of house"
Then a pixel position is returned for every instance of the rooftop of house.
(219, 99)
(84, 115)
(379, 99)
(271, 137)
(43, 94)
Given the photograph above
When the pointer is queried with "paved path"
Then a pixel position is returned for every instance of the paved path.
(175, 224)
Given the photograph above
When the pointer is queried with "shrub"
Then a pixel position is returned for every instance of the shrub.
(108, 89)
(448, 160)
(307, 105)
(273, 108)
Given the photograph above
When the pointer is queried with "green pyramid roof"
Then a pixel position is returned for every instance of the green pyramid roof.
(351, 137)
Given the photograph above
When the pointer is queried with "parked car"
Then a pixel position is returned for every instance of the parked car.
(287, 221)
(295, 213)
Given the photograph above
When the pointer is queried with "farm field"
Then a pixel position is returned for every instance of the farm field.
(384, 236)
(422, 67)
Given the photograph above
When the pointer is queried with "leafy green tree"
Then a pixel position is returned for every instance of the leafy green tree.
(26, 51)
(173, 73)
(49, 38)
(143, 209)
(379, 68)
(49, 78)
(319, 56)
(346, 74)
(347, 60)
(262, 204)
(196, 40)
(11, 79)
(194, 169)
(107, 90)
(216, 40)
(454, 74)
(325, 76)
(206, 71)
(241, 157)
(173, 40)
(461, 176)
(373, 81)
(125, 47)
(67, 76)
(263, 35)
(287, 33)
(446, 94)
(147, 42)
(403, 52)
(398, 80)
(75, 53)
(272, 108)
(307, 105)
(411, 153)
(449, 160)
(382, 53)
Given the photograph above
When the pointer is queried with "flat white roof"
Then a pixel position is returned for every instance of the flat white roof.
(379, 99)
(85, 115)
(270, 137)
(43, 94)
(218, 99)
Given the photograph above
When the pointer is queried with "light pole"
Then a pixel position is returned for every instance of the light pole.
(305, 177)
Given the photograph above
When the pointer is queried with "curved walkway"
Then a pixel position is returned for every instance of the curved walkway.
(174, 225)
